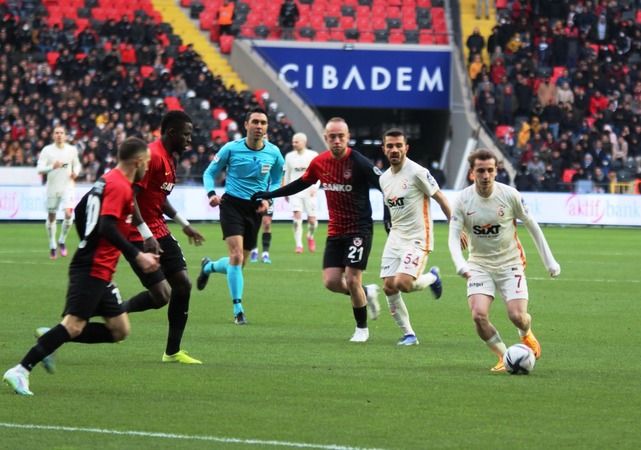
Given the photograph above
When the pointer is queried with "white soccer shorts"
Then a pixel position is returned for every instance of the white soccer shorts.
(304, 203)
(510, 282)
(56, 199)
(410, 258)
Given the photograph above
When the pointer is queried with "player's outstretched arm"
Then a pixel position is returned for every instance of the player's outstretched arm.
(553, 267)
(289, 189)
(108, 228)
(150, 244)
(194, 236)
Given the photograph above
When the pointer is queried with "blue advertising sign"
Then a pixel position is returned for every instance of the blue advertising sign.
(356, 77)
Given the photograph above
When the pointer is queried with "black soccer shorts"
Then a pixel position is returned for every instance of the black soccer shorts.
(171, 261)
(88, 296)
(347, 251)
(238, 217)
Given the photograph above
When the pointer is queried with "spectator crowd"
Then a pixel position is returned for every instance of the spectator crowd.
(559, 85)
(109, 81)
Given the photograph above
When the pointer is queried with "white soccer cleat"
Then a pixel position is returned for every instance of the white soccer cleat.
(373, 306)
(18, 379)
(360, 335)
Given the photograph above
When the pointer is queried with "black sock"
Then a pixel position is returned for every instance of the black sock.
(140, 302)
(267, 241)
(47, 344)
(177, 314)
(360, 314)
(94, 333)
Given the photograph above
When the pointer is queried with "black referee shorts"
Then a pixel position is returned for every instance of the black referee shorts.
(88, 296)
(238, 217)
(171, 261)
(347, 251)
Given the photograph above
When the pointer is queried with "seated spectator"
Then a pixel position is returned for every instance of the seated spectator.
(225, 16)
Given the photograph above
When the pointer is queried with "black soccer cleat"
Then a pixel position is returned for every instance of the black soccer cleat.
(203, 277)
(240, 319)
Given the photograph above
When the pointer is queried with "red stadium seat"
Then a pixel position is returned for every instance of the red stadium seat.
(226, 44)
(219, 134)
(145, 71)
(52, 58)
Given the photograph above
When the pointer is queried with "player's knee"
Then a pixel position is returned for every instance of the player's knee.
(160, 294)
(74, 328)
(404, 284)
(181, 291)
(518, 318)
(333, 284)
(480, 317)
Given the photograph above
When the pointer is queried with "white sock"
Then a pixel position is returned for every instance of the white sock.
(423, 281)
(311, 228)
(495, 343)
(298, 232)
(51, 232)
(399, 312)
(64, 232)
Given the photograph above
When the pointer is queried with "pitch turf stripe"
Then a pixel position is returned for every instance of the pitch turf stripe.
(183, 437)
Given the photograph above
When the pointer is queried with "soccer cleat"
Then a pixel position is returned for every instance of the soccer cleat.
(437, 286)
(240, 319)
(203, 277)
(407, 340)
(63, 249)
(253, 256)
(360, 335)
(266, 259)
(18, 379)
(531, 341)
(499, 367)
(298, 250)
(311, 244)
(48, 362)
(180, 357)
(53, 254)
(373, 307)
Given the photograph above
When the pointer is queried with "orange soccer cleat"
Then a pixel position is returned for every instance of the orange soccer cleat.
(531, 341)
(499, 367)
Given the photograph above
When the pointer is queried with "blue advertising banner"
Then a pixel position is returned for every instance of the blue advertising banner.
(351, 76)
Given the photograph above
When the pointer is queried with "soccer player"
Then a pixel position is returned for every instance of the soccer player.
(59, 162)
(407, 188)
(346, 176)
(296, 163)
(266, 238)
(170, 284)
(252, 164)
(102, 217)
(487, 211)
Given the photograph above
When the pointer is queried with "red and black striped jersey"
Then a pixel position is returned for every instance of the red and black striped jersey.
(111, 195)
(346, 182)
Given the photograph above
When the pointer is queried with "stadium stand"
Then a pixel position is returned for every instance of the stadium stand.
(334, 20)
(107, 70)
(562, 93)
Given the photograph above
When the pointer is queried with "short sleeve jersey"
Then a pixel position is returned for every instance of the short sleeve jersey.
(346, 182)
(248, 170)
(153, 190)
(111, 195)
(59, 180)
(296, 164)
(407, 195)
(490, 224)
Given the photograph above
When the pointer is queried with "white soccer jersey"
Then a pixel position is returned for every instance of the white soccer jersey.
(59, 180)
(490, 224)
(295, 166)
(407, 195)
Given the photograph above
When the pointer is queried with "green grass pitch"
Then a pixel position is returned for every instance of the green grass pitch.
(291, 379)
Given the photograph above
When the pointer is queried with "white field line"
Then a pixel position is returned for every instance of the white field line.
(180, 437)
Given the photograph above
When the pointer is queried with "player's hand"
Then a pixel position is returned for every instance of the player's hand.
(463, 239)
(260, 195)
(151, 245)
(263, 207)
(57, 165)
(388, 225)
(148, 262)
(554, 270)
(214, 201)
(195, 237)
(465, 273)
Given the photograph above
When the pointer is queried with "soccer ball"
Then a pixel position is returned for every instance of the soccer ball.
(519, 360)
